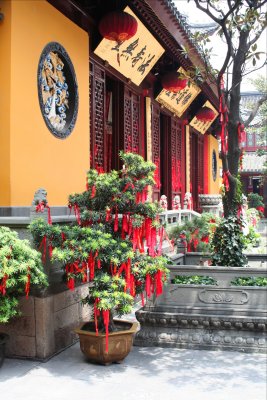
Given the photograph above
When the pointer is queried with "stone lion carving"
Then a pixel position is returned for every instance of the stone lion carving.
(40, 196)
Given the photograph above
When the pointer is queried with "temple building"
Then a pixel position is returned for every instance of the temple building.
(72, 98)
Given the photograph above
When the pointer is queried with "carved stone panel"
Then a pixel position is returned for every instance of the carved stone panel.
(212, 296)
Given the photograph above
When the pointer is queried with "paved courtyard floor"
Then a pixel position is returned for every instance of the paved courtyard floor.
(146, 374)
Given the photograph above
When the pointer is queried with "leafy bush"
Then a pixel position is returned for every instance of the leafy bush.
(193, 280)
(250, 281)
(20, 267)
(228, 243)
(197, 232)
(255, 200)
(106, 247)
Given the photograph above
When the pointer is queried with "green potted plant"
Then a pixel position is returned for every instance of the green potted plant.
(20, 268)
(115, 248)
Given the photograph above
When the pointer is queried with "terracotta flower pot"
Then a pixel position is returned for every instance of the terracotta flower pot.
(119, 343)
(3, 339)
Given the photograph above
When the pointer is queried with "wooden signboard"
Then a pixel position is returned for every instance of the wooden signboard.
(179, 102)
(135, 57)
(201, 126)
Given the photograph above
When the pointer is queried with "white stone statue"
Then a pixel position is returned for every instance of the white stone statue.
(176, 203)
(163, 202)
(188, 203)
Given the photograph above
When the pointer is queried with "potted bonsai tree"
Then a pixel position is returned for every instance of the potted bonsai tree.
(20, 267)
(114, 246)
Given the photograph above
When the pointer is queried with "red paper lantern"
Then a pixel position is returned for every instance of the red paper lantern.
(205, 114)
(118, 26)
(172, 82)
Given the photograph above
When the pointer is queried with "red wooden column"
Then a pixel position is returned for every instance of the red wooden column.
(206, 165)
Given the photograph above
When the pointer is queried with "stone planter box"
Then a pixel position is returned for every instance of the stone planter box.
(207, 317)
(48, 317)
(46, 325)
(254, 260)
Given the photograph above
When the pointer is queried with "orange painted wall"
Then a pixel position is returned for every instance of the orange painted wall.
(37, 158)
(214, 186)
(5, 57)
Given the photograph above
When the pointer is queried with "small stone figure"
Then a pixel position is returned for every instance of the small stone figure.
(176, 203)
(163, 202)
(188, 204)
(39, 208)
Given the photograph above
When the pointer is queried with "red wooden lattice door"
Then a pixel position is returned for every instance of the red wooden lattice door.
(155, 139)
(132, 126)
(97, 117)
(197, 167)
(177, 159)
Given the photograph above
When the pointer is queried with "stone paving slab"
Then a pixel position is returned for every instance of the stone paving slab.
(152, 373)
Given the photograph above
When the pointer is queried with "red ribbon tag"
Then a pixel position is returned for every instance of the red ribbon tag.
(106, 322)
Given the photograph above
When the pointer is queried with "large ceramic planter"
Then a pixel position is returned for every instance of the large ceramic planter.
(119, 343)
(3, 340)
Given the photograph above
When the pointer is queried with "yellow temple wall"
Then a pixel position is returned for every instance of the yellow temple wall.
(31, 156)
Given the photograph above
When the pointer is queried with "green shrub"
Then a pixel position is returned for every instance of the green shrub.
(20, 267)
(197, 232)
(250, 281)
(193, 280)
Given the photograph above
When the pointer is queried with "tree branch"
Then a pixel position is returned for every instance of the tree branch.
(255, 110)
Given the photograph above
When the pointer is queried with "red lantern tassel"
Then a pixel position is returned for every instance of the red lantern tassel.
(50, 249)
(49, 219)
(28, 283)
(142, 299)
(71, 284)
(91, 264)
(132, 285)
(3, 285)
(96, 314)
(159, 286)
(43, 244)
(93, 192)
(106, 322)
(116, 221)
(108, 211)
(148, 285)
(77, 213)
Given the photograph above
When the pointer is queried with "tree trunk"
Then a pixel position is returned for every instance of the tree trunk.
(231, 160)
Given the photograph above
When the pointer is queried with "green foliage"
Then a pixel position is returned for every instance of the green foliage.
(198, 232)
(255, 200)
(228, 243)
(193, 280)
(20, 265)
(250, 281)
(98, 248)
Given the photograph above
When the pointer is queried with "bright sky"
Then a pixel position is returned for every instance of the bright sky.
(195, 16)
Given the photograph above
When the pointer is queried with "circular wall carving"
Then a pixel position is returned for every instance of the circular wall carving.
(57, 90)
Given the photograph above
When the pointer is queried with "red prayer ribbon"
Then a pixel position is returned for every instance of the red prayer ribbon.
(106, 322)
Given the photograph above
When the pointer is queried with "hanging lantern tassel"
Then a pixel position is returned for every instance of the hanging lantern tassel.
(106, 322)
(28, 283)
(118, 26)
(116, 221)
(158, 280)
(96, 314)
(3, 285)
